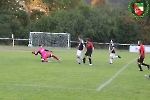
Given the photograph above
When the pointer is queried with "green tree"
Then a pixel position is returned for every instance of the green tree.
(22, 17)
(35, 15)
(100, 23)
(5, 25)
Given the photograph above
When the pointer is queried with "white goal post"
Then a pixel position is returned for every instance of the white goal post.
(49, 39)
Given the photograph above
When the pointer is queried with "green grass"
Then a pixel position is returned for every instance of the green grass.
(24, 77)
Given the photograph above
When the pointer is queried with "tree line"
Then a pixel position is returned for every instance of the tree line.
(100, 22)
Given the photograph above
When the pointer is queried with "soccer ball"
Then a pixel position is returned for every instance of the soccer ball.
(29, 45)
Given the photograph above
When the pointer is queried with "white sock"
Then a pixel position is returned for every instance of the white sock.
(116, 56)
(110, 60)
(78, 60)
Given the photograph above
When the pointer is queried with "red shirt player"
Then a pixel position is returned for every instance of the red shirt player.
(90, 49)
(44, 54)
(142, 56)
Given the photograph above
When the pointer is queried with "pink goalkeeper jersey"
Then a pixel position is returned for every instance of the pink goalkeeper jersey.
(42, 52)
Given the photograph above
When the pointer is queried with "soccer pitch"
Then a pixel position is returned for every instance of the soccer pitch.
(24, 77)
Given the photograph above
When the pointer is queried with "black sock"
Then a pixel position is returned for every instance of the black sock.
(140, 66)
(84, 60)
(90, 61)
(145, 64)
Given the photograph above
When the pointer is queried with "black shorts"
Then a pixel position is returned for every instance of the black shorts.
(88, 53)
(140, 60)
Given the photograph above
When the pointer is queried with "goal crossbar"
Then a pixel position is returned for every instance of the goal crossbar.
(49, 39)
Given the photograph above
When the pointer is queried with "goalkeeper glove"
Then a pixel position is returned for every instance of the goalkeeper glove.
(33, 52)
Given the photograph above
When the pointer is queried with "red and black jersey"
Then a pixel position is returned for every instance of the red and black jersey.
(142, 51)
(89, 46)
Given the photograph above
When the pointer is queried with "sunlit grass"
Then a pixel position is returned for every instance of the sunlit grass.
(24, 77)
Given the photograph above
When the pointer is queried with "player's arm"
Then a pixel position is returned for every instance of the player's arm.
(78, 47)
(112, 49)
(84, 47)
(36, 53)
(92, 47)
(48, 50)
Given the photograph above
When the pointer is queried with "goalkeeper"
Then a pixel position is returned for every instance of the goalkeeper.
(44, 54)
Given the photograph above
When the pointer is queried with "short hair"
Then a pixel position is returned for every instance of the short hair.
(112, 40)
(80, 36)
(140, 41)
(88, 39)
(40, 45)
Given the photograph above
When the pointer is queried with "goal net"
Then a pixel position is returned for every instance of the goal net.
(49, 39)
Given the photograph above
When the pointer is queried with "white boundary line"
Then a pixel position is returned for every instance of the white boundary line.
(47, 86)
(111, 79)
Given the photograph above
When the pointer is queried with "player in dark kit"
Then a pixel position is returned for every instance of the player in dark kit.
(112, 51)
(142, 56)
(90, 49)
(80, 49)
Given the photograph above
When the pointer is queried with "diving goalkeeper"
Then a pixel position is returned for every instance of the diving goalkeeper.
(44, 54)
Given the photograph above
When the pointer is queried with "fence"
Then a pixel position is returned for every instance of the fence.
(104, 45)
(12, 42)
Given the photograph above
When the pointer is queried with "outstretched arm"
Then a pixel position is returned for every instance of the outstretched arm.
(36, 53)
(48, 50)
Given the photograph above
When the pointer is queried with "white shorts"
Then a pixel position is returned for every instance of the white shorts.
(79, 53)
(112, 55)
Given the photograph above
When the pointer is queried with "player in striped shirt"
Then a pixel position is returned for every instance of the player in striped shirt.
(112, 51)
(80, 49)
